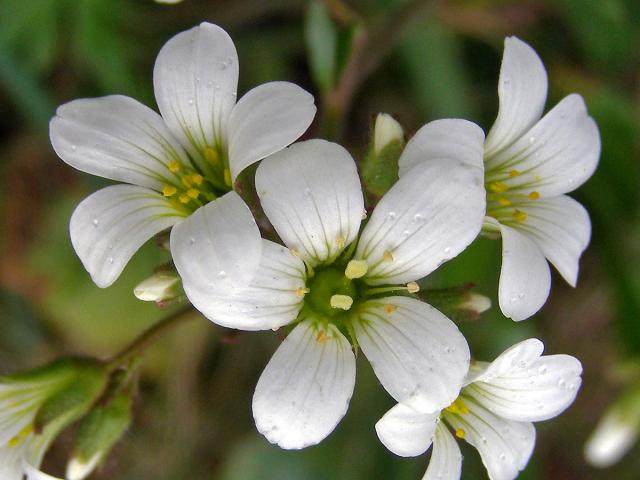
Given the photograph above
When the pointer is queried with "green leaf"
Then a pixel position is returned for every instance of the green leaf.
(321, 38)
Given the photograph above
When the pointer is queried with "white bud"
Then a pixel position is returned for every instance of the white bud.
(386, 130)
(475, 302)
(79, 470)
(159, 287)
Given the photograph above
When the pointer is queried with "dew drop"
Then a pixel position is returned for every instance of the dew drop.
(418, 217)
(391, 215)
(542, 369)
(209, 84)
(111, 260)
(222, 274)
(503, 457)
(447, 250)
(197, 79)
(307, 192)
(522, 364)
(192, 241)
(561, 382)
(506, 81)
(447, 349)
(532, 139)
(406, 233)
(190, 101)
(95, 222)
(74, 148)
(572, 386)
(483, 439)
(521, 295)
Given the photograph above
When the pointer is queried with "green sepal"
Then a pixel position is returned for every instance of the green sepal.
(451, 301)
(102, 428)
(75, 396)
(379, 172)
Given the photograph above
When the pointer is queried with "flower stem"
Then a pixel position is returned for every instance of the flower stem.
(149, 336)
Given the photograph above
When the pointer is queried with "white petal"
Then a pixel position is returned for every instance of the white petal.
(407, 432)
(11, 462)
(195, 79)
(110, 225)
(270, 301)
(116, 137)
(218, 247)
(522, 90)
(427, 218)
(311, 193)
(525, 279)
(561, 228)
(505, 446)
(556, 155)
(453, 139)
(305, 389)
(614, 436)
(446, 459)
(417, 353)
(34, 473)
(522, 385)
(265, 120)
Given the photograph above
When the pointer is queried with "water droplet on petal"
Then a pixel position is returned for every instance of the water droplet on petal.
(111, 260)
(542, 369)
(503, 457)
(391, 215)
(562, 382)
(95, 222)
(190, 101)
(307, 192)
(192, 241)
(418, 217)
(222, 274)
(532, 139)
(74, 148)
(447, 250)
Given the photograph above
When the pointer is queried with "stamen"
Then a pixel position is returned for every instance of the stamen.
(356, 269)
(169, 190)
(514, 173)
(174, 166)
(498, 187)
(340, 241)
(322, 337)
(413, 287)
(184, 198)
(212, 156)
(295, 252)
(227, 177)
(20, 436)
(458, 407)
(343, 302)
(389, 309)
(387, 256)
(534, 195)
(186, 181)
(505, 202)
(519, 216)
(193, 193)
(460, 433)
(302, 291)
(197, 179)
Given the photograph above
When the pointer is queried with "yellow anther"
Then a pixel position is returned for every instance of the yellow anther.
(498, 187)
(186, 181)
(212, 155)
(301, 291)
(514, 173)
(519, 216)
(389, 309)
(321, 337)
(295, 252)
(413, 287)
(173, 166)
(505, 202)
(387, 256)
(169, 190)
(458, 407)
(197, 179)
(534, 195)
(460, 433)
(340, 241)
(356, 269)
(184, 198)
(193, 193)
(343, 302)
(20, 436)
(227, 177)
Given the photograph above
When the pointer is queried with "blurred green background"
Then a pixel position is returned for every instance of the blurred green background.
(192, 416)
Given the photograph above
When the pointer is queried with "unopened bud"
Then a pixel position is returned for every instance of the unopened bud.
(475, 302)
(386, 130)
(160, 287)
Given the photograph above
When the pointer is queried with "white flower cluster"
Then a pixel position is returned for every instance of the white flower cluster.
(340, 282)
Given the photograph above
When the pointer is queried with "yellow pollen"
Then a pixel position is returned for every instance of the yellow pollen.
(356, 269)
(413, 287)
(197, 179)
(193, 193)
(21, 435)
(519, 215)
(460, 433)
(184, 198)
(514, 173)
(301, 291)
(389, 309)
(534, 195)
(212, 155)
(169, 190)
(458, 407)
(186, 181)
(387, 256)
(343, 302)
(227, 177)
(173, 166)
(498, 187)
(322, 336)
(505, 202)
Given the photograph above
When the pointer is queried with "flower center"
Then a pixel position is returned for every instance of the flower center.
(331, 292)
(506, 200)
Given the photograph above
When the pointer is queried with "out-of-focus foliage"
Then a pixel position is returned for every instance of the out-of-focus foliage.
(192, 416)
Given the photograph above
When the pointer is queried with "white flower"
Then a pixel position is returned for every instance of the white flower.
(493, 413)
(174, 163)
(531, 161)
(333, 281)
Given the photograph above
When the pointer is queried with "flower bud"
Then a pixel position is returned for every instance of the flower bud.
(162, 286)
(475, 303)
(386, 131)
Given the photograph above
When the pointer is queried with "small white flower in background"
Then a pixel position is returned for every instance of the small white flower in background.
(493, 413)
(169, 2)
(334, 281)
(616, 432)
(531, 161)
(175, 163)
